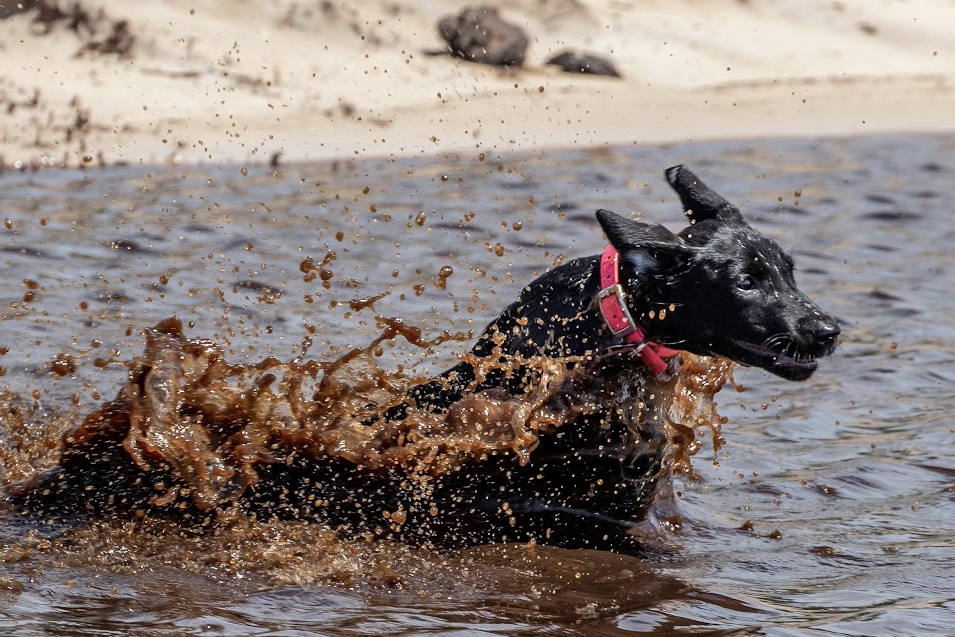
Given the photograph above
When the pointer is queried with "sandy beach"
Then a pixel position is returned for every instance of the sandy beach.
(206, 81)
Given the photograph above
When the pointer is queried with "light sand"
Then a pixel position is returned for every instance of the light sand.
(238, 81)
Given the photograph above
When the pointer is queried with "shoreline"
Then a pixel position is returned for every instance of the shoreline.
(199, 85)
(714, 115)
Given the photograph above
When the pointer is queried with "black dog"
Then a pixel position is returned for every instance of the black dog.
(732, 290)
(719, 288)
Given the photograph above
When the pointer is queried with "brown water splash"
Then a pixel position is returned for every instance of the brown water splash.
(691, 406)
(213, 425)
(32, 438)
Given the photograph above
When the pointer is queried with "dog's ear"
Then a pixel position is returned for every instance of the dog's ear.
(700, 202)
(650, 249)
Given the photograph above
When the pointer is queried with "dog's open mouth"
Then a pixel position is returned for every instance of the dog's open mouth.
(791, 366)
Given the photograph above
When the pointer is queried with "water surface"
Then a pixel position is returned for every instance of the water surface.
(830, 510)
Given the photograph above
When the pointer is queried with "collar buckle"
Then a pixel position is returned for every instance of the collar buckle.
(614, 309)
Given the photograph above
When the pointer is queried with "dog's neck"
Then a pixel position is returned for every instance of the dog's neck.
(559, 314)
(612, 303)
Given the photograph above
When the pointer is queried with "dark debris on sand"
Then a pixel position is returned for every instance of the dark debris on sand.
(481, 35)
(574, 62)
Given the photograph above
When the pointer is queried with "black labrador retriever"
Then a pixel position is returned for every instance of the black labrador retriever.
(601, 463)
(718, 288)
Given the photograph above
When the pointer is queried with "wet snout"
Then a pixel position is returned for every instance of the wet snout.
(819, 332)
(827, 333)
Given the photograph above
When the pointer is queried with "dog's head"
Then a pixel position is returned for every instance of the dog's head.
(719, 287)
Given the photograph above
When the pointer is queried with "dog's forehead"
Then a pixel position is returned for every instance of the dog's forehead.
(747, 245)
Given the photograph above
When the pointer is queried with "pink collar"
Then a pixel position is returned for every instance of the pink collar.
(618, 319)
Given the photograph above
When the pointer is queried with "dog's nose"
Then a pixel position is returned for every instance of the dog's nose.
(826, 333)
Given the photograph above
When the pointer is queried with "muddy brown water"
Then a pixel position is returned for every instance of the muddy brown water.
(830, 510)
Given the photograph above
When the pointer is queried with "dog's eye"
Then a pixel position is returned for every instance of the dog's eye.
(745, 282)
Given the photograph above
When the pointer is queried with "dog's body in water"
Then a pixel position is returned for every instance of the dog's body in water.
(602, 462)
